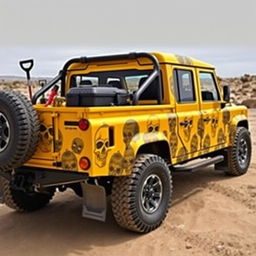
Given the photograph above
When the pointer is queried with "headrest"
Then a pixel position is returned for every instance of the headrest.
(116, 84)
(86, 82)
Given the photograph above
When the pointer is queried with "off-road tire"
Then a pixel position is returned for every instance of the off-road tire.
(34, 125)
(24, 129)
(126, 195)
(24, 201)
(235, 168)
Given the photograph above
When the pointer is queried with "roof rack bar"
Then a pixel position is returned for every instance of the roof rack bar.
(133, 55)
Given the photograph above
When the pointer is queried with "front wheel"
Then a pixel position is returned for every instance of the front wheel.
(239, 155)
(141, 200)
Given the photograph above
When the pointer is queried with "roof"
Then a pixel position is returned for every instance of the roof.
(178, 59)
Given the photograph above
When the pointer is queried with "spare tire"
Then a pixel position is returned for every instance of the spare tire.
(19, 130)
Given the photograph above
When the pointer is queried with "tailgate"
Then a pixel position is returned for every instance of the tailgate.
(61, 142)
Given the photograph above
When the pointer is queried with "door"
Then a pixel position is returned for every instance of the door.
(188, 112)
(212, 128)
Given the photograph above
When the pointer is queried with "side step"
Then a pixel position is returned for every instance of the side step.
(198, 165)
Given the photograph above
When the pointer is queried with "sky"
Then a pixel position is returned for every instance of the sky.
(219, 32)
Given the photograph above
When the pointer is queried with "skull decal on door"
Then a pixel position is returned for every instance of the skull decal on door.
(214, 124)
(221, 138)
(182, 154)
(173, 144)
(200, 127)
(207, 143)
(101, 145)
(187, 128)
(194, 144)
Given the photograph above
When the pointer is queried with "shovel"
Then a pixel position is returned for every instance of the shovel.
(27, 65)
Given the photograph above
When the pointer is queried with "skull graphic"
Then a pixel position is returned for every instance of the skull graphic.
(200, 127)
(182, 154)
(153, 124)
(116, 164)
(226, 116)
(77, 145)
(214, 124)
(173, 144)
(45, 138)
(101, 145)
(172, 123)
(184, 60)
(194, 144)
(128, 160)
(130, 129)
(58, 142)
(221, 137)
(187, 128)
(232, 133)
(207, 143)
(68, 161)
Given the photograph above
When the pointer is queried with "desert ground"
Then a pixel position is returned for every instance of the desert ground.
(211, 214)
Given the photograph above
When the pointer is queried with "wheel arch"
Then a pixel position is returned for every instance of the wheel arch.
(160, 148)
(240, 121)
(243, 123)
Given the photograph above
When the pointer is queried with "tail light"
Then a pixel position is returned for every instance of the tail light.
(84, 163)
(83, 124)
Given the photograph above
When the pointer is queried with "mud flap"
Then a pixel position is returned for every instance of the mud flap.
(94, 202)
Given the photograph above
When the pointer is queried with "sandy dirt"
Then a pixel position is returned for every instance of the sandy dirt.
(211, 214)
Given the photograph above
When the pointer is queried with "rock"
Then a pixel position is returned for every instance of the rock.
(188, 246)
(219, 247)
(249, 103)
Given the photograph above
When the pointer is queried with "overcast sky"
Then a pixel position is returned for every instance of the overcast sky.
(218, 32)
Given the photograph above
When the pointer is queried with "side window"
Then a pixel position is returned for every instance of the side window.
(185, 91)
(208, 87)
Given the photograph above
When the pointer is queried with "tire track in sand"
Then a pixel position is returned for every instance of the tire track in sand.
(205, 243)
(234, 194)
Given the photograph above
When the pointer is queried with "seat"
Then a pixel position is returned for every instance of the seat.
(86, 82)
(152, 90)
(207, 96)
(115, 83)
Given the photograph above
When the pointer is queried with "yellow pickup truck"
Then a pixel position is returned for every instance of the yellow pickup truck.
(119, 125)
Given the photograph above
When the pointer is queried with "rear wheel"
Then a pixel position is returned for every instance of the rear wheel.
(239, 155)
(141, 200)
(24, 200)
(19, 130)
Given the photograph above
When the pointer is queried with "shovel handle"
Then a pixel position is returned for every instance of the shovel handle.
(27, 65)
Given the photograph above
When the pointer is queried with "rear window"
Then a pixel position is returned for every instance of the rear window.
(130, 80)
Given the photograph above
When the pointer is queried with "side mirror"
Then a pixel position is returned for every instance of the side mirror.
(226, 93)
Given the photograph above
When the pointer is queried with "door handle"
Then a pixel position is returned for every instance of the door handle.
(186, 123)
(208, 119)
